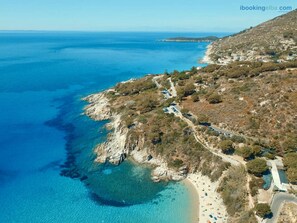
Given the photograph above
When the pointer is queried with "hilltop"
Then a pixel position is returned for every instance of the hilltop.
(274, 40)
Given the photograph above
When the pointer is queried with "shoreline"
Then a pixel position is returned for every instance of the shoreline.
(206, 203)
(194, 199)
(210, 204)
(206, 59)
(116, 148)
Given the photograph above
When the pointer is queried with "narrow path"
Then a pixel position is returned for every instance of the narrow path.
(172, 89)
(198, 138)
(156, 82)
(234, 160)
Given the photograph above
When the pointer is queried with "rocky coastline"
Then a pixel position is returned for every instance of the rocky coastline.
(116, 149)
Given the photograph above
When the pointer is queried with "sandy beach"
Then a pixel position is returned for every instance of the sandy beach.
(194, 200)
(206, 59)
(209, 203)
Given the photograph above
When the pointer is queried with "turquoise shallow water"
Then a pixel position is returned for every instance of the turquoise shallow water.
(44, 137)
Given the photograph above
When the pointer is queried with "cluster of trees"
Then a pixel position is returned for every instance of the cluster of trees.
(238, 139)
(226, 146)
(186, 90)
(177, 76)
(135, 86)
(211, 68)
(247, 69)
(198, 79)
(257, 166)
(249, 152)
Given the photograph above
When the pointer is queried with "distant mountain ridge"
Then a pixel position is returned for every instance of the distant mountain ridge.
(191, 39)
(274, 40)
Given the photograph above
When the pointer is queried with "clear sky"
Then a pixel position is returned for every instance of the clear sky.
(135, 15)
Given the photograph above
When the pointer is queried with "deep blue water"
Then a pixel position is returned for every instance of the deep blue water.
(47, 173)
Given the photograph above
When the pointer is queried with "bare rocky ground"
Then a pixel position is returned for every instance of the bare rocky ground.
(288, 213)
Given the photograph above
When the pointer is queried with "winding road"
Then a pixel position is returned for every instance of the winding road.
(278, 200)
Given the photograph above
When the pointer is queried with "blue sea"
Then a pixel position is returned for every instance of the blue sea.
(47, 173)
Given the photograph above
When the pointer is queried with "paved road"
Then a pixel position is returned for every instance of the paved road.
(277, 201)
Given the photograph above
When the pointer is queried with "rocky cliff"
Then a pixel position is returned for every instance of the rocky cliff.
(120, 145)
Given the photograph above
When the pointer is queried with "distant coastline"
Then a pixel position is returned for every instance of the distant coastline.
(191, 39)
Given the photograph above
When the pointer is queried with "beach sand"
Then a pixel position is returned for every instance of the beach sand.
(206, 58)
(209, 204)
(194, 200)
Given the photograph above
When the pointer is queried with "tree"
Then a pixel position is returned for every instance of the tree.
(195, 97)
(184, 111)
(180, 92)
(246, 152)
(193, 70)
(257, 166)
(238, 139)
(189, 89)
(168, 102)
(269, 156)
(214, 98)
(226, 146)
(198, 79)
(202, 118)
(263, 210)
(257, 150)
